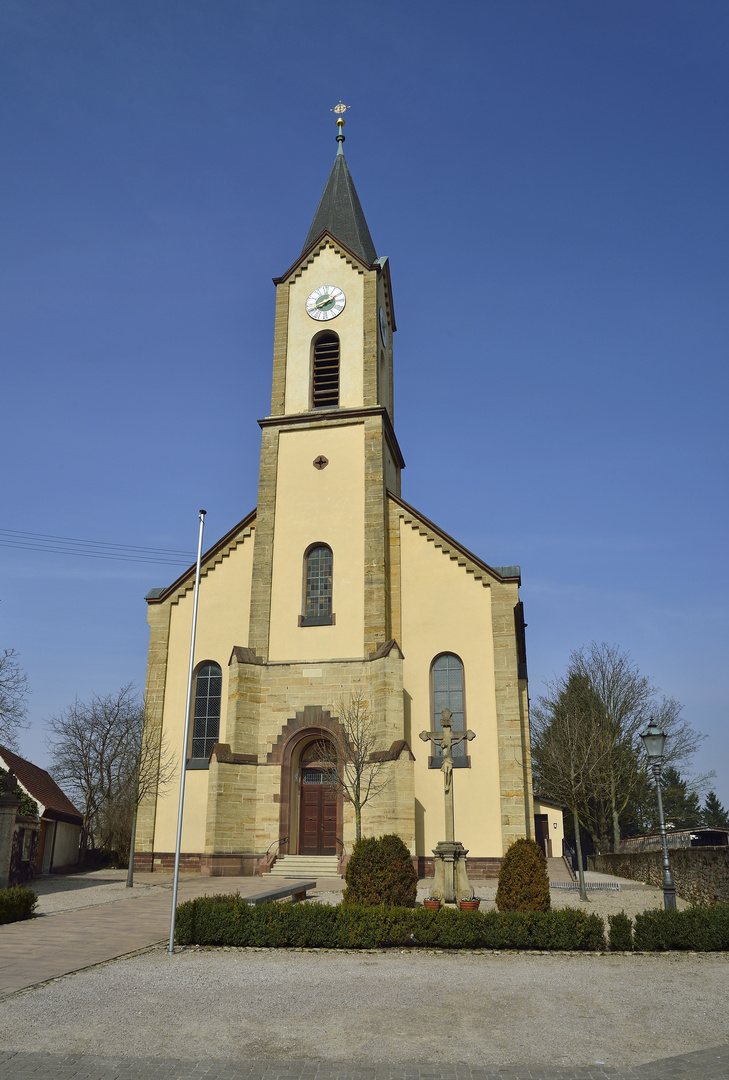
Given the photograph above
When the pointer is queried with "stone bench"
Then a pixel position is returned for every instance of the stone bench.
(297, 891)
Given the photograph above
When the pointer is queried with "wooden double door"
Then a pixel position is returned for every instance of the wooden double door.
(317, 814)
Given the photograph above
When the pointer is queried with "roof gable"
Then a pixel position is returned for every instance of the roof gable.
(472, 564)
(41, 786)
(210, 559)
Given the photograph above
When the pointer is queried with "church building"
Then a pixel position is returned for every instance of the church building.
(335, 591)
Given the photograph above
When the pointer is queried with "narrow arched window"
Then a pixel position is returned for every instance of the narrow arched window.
(446, 692)
(318, 586)
(325, 372)
(206, 715)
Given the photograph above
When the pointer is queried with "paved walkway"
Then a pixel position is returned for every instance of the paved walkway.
(48, 947)
(701, 1065)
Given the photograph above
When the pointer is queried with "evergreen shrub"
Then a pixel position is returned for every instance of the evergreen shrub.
(17, 903)
(229, 920)
(620, 932)
(703, 929)
(523, 879)
(381, 871)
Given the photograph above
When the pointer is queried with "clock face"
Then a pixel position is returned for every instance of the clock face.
(383, 327)
(325, 303)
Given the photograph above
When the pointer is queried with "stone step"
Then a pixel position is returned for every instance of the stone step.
(305, 866)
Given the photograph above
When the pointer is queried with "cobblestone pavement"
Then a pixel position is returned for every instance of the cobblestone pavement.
(701, 1065)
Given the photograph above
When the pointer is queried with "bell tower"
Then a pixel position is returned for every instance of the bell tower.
(329, 453)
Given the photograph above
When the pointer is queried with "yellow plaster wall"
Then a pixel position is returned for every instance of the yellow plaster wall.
(222, 622)
(556, 825)
(445, 610)
(327, 268)
(314, 505)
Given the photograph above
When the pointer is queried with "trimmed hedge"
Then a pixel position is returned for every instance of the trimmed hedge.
(703, 929)
(523, 879)
(17, 903)
(620, 932)
(380, 871)
(229, 920)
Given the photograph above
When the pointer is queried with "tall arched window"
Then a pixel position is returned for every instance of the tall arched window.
(318, 586)
(446, 679)
(206, 715)
(325, 372)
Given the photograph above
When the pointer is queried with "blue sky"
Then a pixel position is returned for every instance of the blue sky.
(549, 181)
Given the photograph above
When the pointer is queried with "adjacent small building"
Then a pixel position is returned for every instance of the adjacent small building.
(51, 842)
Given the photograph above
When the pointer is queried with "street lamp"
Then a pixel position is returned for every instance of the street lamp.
(654, 741)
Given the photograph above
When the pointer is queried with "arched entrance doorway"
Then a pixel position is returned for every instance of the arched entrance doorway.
(318, 799)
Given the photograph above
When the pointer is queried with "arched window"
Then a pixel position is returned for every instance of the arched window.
(318, 587)
(446, 692)
(206, 715)
(325, 372)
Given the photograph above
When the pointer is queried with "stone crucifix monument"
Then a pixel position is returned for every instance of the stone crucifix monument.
(451, 880)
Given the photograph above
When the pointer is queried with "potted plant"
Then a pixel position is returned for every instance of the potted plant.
(432, 903)
(469, 903)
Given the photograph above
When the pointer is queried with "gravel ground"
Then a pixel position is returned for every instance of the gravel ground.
(379, 1007)
(71, 891)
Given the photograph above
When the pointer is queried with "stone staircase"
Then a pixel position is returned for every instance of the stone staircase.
(305, 866)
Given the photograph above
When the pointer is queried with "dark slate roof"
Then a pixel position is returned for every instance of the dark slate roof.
(41, 786)
(340, 213)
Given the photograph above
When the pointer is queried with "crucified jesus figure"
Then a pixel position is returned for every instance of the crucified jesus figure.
(446, 740)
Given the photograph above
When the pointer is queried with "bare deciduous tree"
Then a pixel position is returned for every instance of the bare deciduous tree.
(101, 756)
(358, 773)
(629, 701)
(13, 693)
(616, 704)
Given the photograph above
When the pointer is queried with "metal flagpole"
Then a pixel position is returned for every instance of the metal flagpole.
(178, 843)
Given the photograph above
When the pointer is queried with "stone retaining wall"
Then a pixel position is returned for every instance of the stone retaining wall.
(701, 874)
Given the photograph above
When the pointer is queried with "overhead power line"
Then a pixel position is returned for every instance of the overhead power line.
(93, 549)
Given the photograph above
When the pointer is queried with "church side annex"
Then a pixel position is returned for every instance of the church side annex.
(333, 587)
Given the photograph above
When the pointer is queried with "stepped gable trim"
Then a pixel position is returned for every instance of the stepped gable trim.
(441, 539)
(339, 416)
(222, 753)
(212, 557)
(325, 239)
(243, 655)
(385, 649)
(393, 754)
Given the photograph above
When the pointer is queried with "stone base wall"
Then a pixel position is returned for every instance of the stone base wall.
(478, 869)
(701, 874)
(241, 865)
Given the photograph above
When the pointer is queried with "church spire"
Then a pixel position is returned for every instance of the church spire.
(340, 211)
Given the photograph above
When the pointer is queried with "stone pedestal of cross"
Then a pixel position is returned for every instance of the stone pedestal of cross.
(451, 880)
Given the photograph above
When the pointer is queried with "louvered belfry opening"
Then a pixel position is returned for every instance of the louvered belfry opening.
(325, 391)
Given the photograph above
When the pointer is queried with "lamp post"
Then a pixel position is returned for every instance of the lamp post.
(654, 740)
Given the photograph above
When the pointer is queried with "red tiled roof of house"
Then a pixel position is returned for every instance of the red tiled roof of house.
(41, 786)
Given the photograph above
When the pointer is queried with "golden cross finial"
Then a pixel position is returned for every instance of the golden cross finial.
(339, 110)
